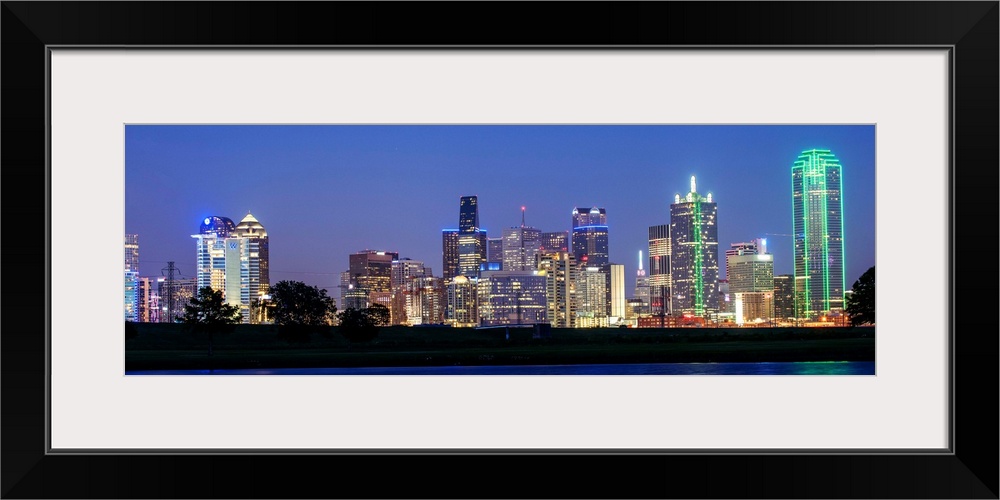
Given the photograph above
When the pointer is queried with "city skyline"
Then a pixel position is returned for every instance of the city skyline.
(325, 192)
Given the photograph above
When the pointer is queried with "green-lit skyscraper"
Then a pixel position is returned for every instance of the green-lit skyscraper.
(818, 229)
(694, 261)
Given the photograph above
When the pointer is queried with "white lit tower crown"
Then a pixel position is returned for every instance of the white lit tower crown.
(258, 253)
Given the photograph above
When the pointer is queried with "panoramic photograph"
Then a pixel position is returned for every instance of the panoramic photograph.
(499, 250)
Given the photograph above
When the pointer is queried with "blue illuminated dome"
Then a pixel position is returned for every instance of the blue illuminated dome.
(215, 224)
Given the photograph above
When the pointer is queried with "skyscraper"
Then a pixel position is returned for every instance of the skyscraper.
(694, 245)
(449, 253)
(750, 273)
(147, 300)
(404, 272)
(784, 296)
(371, 278)
(818, 232)
(471, 238)
(659, 269)
(131, 296)
(132, 252)
(616, 292)
(211, 247)
(233, 260)
(554, 242)
(560, 288)
(511, 298)
(372, 270)
(173, 296)
(755, 247)
(259, 252)
(642, 287)
(494, 250)
(591, 298)
(462, 306)
(521, 246)
(132, 292)
(425, 300)
(590, 236)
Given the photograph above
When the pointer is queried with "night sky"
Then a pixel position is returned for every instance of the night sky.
(323, 192)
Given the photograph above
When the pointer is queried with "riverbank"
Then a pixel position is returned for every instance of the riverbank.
(171, 347)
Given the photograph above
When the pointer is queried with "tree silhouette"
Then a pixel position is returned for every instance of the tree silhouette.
(861, 303)
(299, 309)
(209, 313)
(362, 325)
(131, 331)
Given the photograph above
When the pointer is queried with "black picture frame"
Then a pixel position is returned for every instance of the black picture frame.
(970, 28)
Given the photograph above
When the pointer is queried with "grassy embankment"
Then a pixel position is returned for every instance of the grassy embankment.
(167, 346)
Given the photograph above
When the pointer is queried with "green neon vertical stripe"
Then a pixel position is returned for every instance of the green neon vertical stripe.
(824, 195)
(806, 189)
(843, 257)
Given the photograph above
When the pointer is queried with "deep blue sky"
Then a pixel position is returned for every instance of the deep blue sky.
(323, 192)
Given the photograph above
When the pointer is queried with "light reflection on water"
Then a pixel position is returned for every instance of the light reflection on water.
(775, 368)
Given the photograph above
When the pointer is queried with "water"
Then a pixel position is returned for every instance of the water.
(776, 368)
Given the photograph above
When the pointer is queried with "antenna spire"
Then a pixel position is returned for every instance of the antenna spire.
(522, 215)
(693, 190)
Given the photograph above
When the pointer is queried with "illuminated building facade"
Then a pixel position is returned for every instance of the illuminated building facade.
(233, 260)
(560, 288)
(132, 293)
(371, 271)
(147, 300)
(784, 296)
(818, 231)
(641, 288)
(749, 268)
(494, 250)
(173, 296)
(211, 248)
(132, 252)
(754, 247)
(554, 242)
(258, 254)
(512, 298)
(461, 307)
(659, 269)
(694, 262)
(471, 238)
(345, 285)
(131, 296)
(753, 307)
(424, 301)
(404, 272)
(633, 309)
(449, 253)
(616, 291)
(595, 216)
(727, 301)
(521, 246)
(591, 298)
(590, 236)
(355, 298)
(751, 284)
